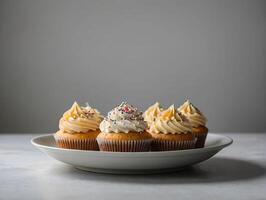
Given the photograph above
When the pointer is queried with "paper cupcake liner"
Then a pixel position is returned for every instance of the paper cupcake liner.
(201, 138)
(81, 144)
(124, 145)
(168, 145)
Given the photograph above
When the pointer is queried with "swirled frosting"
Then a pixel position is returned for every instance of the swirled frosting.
(123, 119)
(170, 121)
(151, 113)
(195, 117)
(80, 119)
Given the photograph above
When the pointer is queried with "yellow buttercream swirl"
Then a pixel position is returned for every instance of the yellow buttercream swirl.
(80, 119)
(151, 113)
(170, 121)
(195, 117)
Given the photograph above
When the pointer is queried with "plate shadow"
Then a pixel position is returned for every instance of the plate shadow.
(219, 169)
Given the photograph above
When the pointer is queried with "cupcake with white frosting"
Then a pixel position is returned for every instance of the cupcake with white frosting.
(197, 121)
(123, 130)
(171, 131)
(78, 128)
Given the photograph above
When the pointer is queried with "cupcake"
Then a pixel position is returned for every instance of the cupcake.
(123, 130)
(151, 113)
(78, 128)
(171, 131)
(197, 121)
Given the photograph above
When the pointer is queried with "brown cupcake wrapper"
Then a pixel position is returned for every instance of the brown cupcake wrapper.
(124, 145)
(168, 145)
(201, 138)
(81, 144)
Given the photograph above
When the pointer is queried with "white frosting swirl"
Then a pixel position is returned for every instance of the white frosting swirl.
(123, 119)
(195, 117)
(170, 121)
(151, 113)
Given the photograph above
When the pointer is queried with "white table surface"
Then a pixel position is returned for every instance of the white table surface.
(237, 172)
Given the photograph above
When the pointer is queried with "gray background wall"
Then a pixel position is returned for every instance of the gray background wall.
(53, 52)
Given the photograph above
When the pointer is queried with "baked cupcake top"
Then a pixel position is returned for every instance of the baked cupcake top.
(170, 121)
(151, 113)
(123, 119)
(80, 119)
(195, 117)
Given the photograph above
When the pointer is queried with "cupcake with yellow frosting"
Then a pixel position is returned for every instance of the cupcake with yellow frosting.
(197, 121)
(171, 131)
(123, 130)
(152, 113)
(78, 128)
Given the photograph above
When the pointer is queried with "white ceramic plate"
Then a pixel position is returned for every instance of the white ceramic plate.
(132, 162)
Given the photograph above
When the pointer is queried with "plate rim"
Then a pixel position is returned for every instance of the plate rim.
(150, 153)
